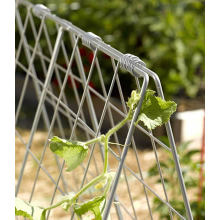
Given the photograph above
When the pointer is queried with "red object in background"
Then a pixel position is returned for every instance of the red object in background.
(106, 56)
(55, 82)
(70, 84)
(64, 65)
(82, 51)
(202, 161)
(90, 56)
(86, 69)
(91, 84)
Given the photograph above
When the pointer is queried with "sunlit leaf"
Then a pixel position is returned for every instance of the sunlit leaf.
(26, 210)
(94, 205)
(73, 152)
(133, 100)
(155, 111)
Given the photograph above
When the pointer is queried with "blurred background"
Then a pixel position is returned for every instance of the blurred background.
(169, 36)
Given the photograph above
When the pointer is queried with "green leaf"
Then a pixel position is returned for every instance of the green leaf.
(94, 205)
(155, 111)
(26, 210)
(73, 152)
(133, 100)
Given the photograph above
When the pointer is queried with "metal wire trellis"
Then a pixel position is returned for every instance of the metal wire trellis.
(63, 101)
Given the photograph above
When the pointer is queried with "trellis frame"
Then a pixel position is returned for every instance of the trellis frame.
(130, 63)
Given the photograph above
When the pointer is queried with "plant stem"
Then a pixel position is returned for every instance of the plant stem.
(118, 126)
(56, 205)
(95, 140)
(116, 144)
(107, 186)
(92, 182)
(98, 178)
(108, 135)
(98, 139)
(106, 155)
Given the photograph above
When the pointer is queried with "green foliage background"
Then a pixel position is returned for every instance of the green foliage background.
(168, 35)
(191, 167)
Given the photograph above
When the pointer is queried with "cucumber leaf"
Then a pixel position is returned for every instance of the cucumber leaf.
(94, 205)
(73, 152)
(26, 210)
(133, 100)
(154, 111)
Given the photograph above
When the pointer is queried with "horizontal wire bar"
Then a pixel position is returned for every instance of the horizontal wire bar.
(102, 46)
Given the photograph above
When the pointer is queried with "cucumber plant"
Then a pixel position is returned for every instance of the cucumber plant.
(153, 113)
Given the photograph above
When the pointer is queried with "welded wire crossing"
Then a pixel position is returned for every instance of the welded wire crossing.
(56, 63)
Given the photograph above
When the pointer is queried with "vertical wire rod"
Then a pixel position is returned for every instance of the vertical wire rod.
(83, 77)
(22, 37)
(89, 102)
(54, 116)
(134, 145)
(75, 92)
(107, 97)
(82, 101)
(160, 173)
(100, 124)
(85, 92)
(175, 155)
(116, 138)
(43, 64)
(30, 58)
(125, 150)
(101, 120)
(179, 171)
(40, 104)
